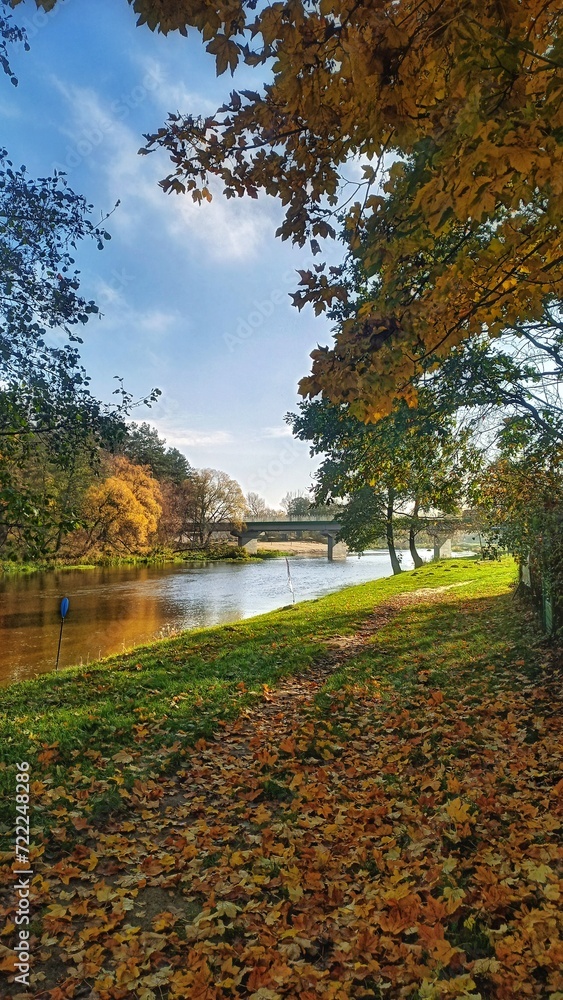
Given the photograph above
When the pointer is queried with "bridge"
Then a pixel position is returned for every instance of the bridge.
(249, 533)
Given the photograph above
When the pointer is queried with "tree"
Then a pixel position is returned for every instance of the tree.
(144, 447)
(453, 111)
(521, 496)
(296, 505)
(173, 509)
(46, 408)
(42, 499)
(10, 34)
(256, 507)
(365, 519)
(410, 464)
(49, 420)
(45, 403)
(210, 496)
(121, 512)
(513, 377)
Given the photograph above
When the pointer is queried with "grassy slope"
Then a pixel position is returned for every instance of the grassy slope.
(187, 684)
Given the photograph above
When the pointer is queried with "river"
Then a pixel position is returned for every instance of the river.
(113, 609)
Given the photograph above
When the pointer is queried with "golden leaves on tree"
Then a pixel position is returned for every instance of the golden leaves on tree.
(456, 112)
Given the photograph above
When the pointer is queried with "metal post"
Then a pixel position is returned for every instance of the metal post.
(63, 610)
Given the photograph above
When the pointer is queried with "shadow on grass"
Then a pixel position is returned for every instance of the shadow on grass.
(461, 643)
(184, 686)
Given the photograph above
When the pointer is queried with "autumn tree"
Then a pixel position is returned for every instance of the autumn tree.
(210, 496)
(50, 422)
(172, 518)
(521, 498)
(428, 133)
(121, 512)
(143, 445)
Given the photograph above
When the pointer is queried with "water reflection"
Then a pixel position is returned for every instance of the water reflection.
(114, 609)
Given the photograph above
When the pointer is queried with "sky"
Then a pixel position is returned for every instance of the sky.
(194, 299)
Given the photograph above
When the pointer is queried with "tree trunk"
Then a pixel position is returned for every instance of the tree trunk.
(417, 560)
(396, 566)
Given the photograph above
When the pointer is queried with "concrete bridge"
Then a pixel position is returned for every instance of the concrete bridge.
(248, 536)
(249, 533)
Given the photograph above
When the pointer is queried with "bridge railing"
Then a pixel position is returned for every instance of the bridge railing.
(289, 520)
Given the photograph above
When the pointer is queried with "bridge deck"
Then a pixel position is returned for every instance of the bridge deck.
(303, 525)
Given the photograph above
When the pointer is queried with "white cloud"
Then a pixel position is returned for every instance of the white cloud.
(231, 230)
(171, 94)
(277, 432)
(149, 325)
(197, 439)
(102, 134)
(156, 322)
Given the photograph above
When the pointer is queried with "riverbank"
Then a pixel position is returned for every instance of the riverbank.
(299, 548)
(347, 797)
(114, 609)
(218, 553)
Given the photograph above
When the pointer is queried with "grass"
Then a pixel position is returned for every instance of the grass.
(215, 554)
(167, 695)
(12, 568)
(414, 766)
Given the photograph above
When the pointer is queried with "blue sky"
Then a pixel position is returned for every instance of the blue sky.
(194, 299)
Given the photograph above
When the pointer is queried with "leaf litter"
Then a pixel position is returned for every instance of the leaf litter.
(345, 836)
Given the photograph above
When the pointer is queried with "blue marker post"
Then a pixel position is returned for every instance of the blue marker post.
(63, 609)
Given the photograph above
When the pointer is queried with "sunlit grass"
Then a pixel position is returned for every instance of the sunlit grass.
(183, 687)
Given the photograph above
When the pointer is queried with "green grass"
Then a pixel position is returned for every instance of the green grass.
(12, 568)
(161, 698)
(216, 554)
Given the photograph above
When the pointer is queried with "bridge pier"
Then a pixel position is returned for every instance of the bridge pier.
(442, 548)
(249, 541)
(335, 550)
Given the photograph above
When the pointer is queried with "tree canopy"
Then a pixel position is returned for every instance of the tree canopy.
(453, 116)
(211, 496)
(123, 510)
(143, 446)
(49, 418)
(52, 428)
(414, 462)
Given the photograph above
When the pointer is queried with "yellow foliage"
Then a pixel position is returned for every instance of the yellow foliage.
(124, 509)
(465, 98)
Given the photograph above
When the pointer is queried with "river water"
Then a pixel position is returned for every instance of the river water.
(113, 609)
